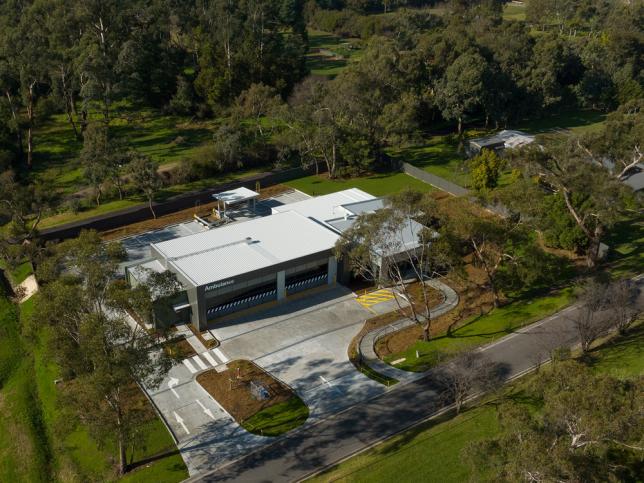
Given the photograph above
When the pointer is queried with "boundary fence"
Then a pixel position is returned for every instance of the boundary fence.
(183, 201)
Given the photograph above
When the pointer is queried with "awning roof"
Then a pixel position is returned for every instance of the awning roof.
(235, 196)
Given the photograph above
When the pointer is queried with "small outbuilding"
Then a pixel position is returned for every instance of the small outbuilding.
(498, 142)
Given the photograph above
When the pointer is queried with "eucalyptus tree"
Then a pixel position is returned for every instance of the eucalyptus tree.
(145, 178)
(249, 41)
(396, 244)
(460, 92)
(588, 428)
(593, 198)
(102, 354)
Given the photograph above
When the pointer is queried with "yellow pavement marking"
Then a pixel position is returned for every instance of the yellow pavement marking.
(373, 298)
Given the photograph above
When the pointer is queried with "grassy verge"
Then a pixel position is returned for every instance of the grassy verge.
(278, 419)
(35, 442)
(626, 242)
(133, 200)
(376, 376)
(432, 450)
(439, 156)
(480, 330)
(376, 184)
(24, 451)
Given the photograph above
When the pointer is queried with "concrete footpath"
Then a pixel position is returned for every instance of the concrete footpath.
(304, 452)
(368, 341)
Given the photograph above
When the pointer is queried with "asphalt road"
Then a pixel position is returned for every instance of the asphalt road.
(302, 453)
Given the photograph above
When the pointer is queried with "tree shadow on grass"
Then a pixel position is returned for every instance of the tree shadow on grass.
(151, 459)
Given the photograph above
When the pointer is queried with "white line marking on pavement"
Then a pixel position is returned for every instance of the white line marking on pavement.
(220, 355)
(210, 359)
(199, 362)
(205, 409)
(180, 421)
(190, 367)
(171, 383)
(331, 386)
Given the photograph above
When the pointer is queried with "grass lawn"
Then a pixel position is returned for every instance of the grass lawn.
(438, 156)
(329, 54)
(622, 357)
(514, 12)
(578, 121)
(626, 242)
(432, 450)
(278, 419)
(380, 184)
(164, 138)
(480, 330)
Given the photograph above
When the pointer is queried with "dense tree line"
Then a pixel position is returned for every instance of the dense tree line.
(243, 62)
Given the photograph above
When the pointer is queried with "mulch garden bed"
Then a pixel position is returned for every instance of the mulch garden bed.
(386, 319)
(179, 349)
(231, 389)
(474, 299)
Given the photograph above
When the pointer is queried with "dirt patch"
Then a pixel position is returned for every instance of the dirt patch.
(231, 389)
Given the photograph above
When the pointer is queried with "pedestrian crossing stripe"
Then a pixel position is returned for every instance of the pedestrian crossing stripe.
(199, 362)
(220, 355)
(210, 359)
(190, 367)
(217, 358)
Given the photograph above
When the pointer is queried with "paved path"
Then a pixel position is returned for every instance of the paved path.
(436, 181)
(304, 452)
(368, 341)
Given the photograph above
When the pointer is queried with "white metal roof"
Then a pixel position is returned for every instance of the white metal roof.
(237, 195)
(232, 250)
(326, 207)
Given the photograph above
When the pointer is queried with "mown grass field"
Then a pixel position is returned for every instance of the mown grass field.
(379, 184)
(514, 11)
(480, 330)
(432, 451)
(329, 54)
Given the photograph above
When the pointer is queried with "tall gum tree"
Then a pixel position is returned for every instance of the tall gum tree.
(378, 248)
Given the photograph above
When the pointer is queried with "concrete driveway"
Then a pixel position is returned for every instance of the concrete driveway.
(304, 343)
